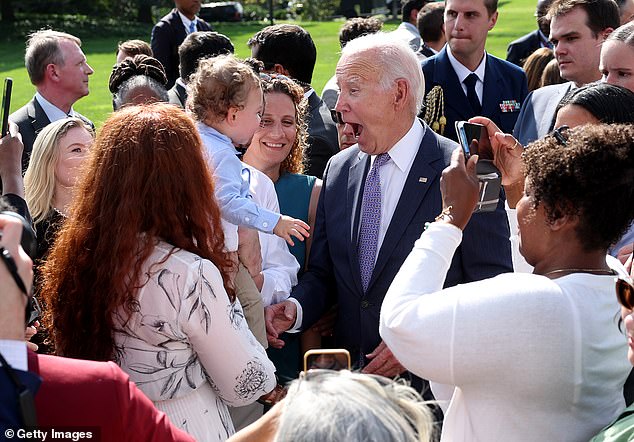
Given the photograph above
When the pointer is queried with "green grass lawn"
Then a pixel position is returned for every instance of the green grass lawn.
(516, 18)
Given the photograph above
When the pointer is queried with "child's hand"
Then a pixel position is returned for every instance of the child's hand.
(288, 226)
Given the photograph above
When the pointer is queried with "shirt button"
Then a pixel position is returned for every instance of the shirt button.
(365, 304)
(247, 219)
(265, 224)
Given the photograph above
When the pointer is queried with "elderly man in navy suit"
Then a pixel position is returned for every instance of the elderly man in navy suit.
(171, 30)
(471, 81)
(375, 201)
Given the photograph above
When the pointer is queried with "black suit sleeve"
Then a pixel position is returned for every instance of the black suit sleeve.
(318, 153)
(317, 287)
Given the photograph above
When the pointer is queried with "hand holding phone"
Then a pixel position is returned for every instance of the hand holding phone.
(474, 140)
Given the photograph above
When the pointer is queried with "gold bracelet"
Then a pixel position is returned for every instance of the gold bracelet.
(444, 213)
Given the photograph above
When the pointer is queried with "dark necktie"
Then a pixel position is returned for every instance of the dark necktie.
(470, 82)
(370, 220)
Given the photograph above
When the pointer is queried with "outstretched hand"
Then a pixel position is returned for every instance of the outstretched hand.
(460, 188)
(279, 318)
(287, 227)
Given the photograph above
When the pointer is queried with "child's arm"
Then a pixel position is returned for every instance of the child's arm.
(232, 193)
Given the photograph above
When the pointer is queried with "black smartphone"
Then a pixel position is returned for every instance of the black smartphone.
(474, 140)
(6, 105)
(327, 359)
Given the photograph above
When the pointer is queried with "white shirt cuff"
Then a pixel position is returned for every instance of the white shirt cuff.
(296, 328)
(15, 354)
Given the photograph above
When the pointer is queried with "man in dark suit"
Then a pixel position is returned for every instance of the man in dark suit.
(431, 25)
(519, 50)
(171, 30)
(68, 392)
(375, 201)
(289, 50)
(471, 81)
(58, 69)
(196, 46)
(578, 28)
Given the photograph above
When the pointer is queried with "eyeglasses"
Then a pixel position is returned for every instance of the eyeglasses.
(625, 293)
(273, 76)
(336, 117)
(561, 134)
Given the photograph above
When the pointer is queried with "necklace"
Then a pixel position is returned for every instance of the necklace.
(595, 271)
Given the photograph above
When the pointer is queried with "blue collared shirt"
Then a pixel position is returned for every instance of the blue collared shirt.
(231, 187)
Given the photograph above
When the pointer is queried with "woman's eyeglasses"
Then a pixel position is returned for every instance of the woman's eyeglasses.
(561, 134)
(336, 117)
(625, 293)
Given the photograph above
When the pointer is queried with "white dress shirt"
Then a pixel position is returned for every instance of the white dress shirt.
(187, 22)
(279, 266)
(15, 353)
(462, 72)
(53, 112)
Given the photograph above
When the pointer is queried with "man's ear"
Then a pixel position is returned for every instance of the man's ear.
(50, 71)
(493, 20)
(279, 69)
(401, 93)
(604, 34)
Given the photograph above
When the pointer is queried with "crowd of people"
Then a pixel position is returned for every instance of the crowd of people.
(163, 275)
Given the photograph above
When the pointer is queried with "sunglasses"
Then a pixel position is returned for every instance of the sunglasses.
(336, 117)
(625, 293)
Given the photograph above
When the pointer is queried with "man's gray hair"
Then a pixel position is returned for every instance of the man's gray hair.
(154, 91)
(42, 49)
(334, 406)
(395, 60)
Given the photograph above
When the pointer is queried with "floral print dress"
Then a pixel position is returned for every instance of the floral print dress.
(188, 348)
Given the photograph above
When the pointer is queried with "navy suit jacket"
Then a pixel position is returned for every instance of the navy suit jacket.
(502, 81)
(167, 36)
(333, 268)
(323, 141)
(31, 119)
(519, 50)
(537, 116)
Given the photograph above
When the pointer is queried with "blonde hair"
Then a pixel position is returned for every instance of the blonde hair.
(219, 83)
(39, 180)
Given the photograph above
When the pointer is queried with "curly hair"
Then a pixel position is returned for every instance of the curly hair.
(146, 179)
(219, 83)
(294, 162)
(358, 27)
(591, 177)
(131, 67)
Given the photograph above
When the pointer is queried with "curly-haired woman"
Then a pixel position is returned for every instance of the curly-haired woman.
(531, 356)
(139, 275)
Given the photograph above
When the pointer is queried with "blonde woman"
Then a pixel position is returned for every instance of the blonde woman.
(58, 152)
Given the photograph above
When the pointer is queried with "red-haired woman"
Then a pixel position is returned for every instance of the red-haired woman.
(138, 275)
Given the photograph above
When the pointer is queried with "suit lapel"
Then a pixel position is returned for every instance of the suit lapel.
(548, 117)
(492, 89)
(446, 77)
(38, 117)
(411, 198)
(356, 179)
(179, 27)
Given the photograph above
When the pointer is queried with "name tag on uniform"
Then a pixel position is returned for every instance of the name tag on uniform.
(509, 106)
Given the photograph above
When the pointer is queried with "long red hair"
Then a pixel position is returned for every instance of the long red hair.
(146, 179)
